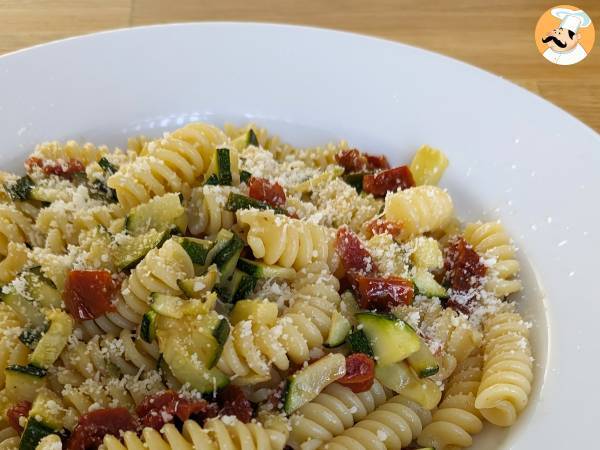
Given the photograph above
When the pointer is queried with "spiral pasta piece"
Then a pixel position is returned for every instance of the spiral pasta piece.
(15, 227)
(12, 351)
(85, 153)
(16, 258)
(334, 410)
(253, 347)
(107, 371)
(456, 419)
(226, 433)
(170, 164)
(157, 272)
(278, 239)
(64, 222)
(392, 425)
(419, 209)
(490, 240)
(206, 210)
(507, 370)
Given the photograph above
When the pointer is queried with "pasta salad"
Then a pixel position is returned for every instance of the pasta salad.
(220, 289)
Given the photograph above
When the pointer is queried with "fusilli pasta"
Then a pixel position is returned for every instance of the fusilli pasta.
(507, 370)
(419, 209)
(393, 425)
(289, 242)
(491, 240)
(217, 434)
(456, 419)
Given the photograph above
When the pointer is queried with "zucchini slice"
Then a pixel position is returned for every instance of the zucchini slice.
(127, 253)
(197, 287)
(42, 290)
(261, 312)
(176, 307)
(189, 357)
(261, 270)
(338, 330)
(108, 167)
(400, 378)
(34, 432)
(307, 383)
(238, 287)
(359, 343)
(245, 140)
(27, 309)
(423, 391)
(391, 339)
(20, 189)
(245, 176)
(236, 202)
(148, 326)
(24, 382)
(355, 180)
(160, 213)
(50, 417)
(227, 258)
(197, 249)
(52, 343)
(423, 362)
(426, 285)
(219, 171)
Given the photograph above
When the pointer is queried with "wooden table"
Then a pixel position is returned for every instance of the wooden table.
(496, 35)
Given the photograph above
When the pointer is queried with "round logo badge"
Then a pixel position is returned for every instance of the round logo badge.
(565, 35)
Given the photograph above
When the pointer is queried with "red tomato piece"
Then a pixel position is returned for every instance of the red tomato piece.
(464, 272)
(92, 427)
(381, 226)
(60, 168)
(89, 293)
(377, 162)
(352, 160)
(463, 266)
(15, 412)
(161, 408)
(360, 372)
(265, 191)
(352, 252)
(235, 403)
(384, 293)
(381, 183)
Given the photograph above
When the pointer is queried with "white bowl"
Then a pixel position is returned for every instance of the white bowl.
(513, 155)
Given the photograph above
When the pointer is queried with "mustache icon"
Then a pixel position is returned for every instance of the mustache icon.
(555, 40)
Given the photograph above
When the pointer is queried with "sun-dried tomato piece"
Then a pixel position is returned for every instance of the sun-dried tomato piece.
(15, 412)
(360, 372)
(382, 226)
(463, 272)
(92, 427)
(158, 409)
(352, 160)
(65, 169)
(233, 402)
(377, 162)
(266, 191)
(384, 293)
(380, 183)
(463, 266)
(352, 252)
(89, 293)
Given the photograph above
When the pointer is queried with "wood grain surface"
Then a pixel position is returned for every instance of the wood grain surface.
(496, 35)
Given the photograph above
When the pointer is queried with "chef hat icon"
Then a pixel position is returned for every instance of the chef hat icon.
(571, 19)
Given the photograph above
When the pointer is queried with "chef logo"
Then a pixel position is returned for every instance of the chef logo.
(564, 35)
